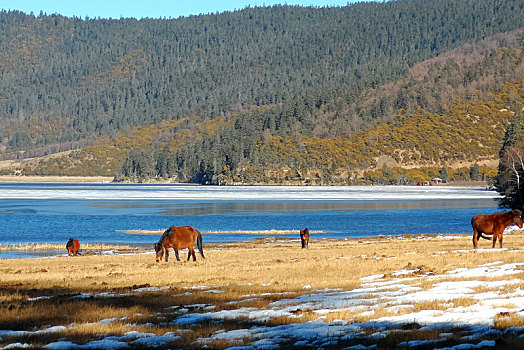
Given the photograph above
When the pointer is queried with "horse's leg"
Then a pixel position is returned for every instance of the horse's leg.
(167, 253)
(191, 252)
(176, 254)
(495, 236)
(475, 239)
(500, 239)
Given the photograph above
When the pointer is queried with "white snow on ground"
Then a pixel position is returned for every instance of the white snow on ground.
(112, 342)
(37, 332)
(377, 292)
(372, 277)
(398, 293)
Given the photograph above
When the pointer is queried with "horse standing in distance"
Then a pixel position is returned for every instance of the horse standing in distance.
(304, 237)
(72, 246)
(494, 224)
(179, 238)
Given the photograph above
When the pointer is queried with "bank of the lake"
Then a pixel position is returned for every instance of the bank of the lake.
(110, 179)
(55, 179)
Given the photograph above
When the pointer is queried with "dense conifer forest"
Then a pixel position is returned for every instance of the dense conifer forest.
(365, 93)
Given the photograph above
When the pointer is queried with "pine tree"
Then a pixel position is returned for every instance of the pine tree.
(474, 172)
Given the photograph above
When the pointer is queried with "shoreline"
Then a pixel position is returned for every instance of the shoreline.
(55, 179)
(109, 179)
(38, 250)
(272, 232)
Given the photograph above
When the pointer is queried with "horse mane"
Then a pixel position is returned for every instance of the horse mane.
(165, 235)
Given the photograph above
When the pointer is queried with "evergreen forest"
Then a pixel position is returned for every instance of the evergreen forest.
(392, 92)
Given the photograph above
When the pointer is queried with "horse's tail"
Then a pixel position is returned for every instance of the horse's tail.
(199, 243)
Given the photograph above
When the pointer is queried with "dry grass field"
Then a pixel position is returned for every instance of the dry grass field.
(417, 292)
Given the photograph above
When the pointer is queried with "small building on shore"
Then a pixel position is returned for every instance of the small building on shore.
(436, 181)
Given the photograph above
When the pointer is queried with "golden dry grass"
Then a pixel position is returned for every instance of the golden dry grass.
(505, 320)
(249, 275)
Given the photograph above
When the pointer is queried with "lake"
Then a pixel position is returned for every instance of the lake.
(51, 213)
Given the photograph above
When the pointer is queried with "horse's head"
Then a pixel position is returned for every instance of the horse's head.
(517, 217)
(159, 249)
(304, 233)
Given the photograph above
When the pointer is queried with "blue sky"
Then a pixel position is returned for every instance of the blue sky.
(147, 8)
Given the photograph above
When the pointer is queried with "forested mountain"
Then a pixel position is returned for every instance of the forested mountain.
(261, 94)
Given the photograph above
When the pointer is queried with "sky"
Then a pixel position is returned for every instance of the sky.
(147, 8)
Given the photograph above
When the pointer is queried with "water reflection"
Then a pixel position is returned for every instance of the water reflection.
(192, 208)
(23, 254)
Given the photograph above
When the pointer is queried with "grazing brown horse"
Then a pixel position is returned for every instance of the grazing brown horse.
(304, 237)
(72, 246)
(494, 224)
(180, 237)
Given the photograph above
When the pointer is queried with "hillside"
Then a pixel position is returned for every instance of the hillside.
(471, 131)
(261, 95)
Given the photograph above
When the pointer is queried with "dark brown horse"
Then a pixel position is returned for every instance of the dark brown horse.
(304, 237)
(72, 246)
(179, 238)
(494, 224)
